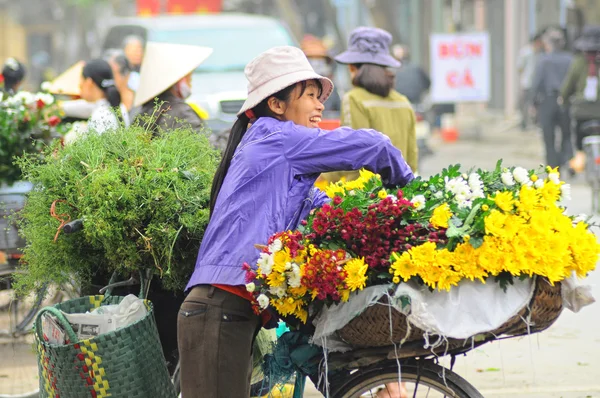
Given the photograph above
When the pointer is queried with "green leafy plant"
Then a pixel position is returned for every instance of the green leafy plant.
(143, 201)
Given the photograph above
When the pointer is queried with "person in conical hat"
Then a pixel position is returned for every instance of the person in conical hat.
(263, 185)
(165, 83)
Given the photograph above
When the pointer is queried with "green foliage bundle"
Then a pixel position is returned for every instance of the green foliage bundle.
(143, 201)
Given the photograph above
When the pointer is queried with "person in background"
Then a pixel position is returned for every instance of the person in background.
(13, 73)
(165, 84)
(580, 89)
(526, 63)
(411, 80)
(373, 103)
(319, 58)
(133, 47)
(550, 72)
(97, 87)
(122, 69)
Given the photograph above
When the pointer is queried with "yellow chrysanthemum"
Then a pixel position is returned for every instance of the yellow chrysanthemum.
(528, 199)
(550, 193)
(403, 266)
(441, 215)
(382, 194)
(504, 200)
(345, 295)
(494, 223)
(356, 270)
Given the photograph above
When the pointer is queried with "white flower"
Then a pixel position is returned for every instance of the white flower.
(279, 291)
(352, 193)
(294, 277)
(438, 195)
(580, 218)
(521, 175)
(475, 182)
(465, 204)
(265, 262)
(263, 301)
(250, 287)
(554, 177)
(477, 194)
(275, 246)
(565, 191)
(539, 184)
(393, 198)
(46, 86)
(418, 202)
(507, 179)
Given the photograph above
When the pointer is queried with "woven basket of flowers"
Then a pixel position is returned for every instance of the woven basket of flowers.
(493, 228)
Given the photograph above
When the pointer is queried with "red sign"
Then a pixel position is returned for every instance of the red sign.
(153, 7)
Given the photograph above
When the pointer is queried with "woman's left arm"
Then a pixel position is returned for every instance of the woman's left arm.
(312, 151)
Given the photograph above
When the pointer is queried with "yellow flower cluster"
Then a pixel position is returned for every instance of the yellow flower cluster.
(527, 235)
(342, 186)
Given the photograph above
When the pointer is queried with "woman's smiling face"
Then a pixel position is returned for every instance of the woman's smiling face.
(304, 108)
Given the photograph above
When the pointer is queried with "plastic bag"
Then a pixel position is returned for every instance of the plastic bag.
(575, 295)
(107, 318)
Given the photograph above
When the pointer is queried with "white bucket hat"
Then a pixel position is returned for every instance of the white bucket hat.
(164, 65)
(276, 69)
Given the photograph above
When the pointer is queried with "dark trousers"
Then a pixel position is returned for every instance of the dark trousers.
(216, 331)
(551, 116)
(525, 102)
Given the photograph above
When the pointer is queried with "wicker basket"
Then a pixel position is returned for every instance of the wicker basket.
(372, 327)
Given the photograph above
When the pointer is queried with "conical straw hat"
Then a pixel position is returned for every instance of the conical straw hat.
(164, 65)
(67, 83)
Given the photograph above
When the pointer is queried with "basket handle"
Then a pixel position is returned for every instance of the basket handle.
(61, 320)
(112, 283)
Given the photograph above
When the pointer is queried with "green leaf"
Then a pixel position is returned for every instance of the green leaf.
(476, 241)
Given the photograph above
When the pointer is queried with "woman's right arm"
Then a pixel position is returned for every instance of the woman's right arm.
(312, 151)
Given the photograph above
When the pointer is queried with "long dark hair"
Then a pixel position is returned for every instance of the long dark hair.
(375, 79)
(13, 72)
(239, 130)
(101, 74)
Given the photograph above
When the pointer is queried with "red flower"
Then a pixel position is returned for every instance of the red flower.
(1, 78)
(40, 104)
(53, 121)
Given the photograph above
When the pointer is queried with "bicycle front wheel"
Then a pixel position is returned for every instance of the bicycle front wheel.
(419, 379)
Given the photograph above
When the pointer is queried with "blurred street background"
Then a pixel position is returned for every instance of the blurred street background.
(473, 53)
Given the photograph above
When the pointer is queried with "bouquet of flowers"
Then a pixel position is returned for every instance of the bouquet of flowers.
(28, 121)
(480, 225)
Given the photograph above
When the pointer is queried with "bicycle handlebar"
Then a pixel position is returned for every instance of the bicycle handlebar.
(73, 226)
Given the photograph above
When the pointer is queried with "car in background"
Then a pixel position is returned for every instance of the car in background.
(219, 86)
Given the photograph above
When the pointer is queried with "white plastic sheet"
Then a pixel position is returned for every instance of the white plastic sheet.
(466, 310)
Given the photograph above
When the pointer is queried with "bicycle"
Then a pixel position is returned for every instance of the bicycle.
(368, 371)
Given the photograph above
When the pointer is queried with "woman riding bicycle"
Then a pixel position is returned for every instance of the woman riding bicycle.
(264, 184)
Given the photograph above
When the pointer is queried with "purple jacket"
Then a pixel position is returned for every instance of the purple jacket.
(270, 188)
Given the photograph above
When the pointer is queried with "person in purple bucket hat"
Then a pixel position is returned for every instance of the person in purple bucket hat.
(373, 103)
